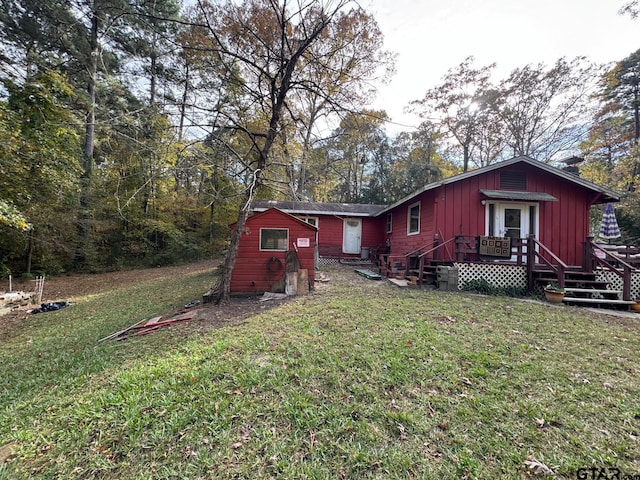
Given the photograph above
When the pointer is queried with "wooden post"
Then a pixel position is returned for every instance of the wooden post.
(626, 284)
(587, 252)
(531, 245)
(303, 281)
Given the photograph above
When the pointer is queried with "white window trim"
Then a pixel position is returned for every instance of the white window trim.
(389, 222)
(273, 249)
(409, 208)
(306, 218)
(498, 204)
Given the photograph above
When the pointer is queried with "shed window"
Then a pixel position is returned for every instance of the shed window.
(389, 223)
(274, 239)
(310, 220)
(513, 180)
(413, 220)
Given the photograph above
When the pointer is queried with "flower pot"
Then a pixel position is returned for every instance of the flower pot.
(553, 296)
(636, 306)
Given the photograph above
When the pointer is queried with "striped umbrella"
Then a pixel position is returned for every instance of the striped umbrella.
(609, 225)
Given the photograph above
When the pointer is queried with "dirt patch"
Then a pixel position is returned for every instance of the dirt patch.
(68, 287)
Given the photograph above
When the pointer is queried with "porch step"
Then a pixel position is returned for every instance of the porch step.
(590, 291)
(598, 301)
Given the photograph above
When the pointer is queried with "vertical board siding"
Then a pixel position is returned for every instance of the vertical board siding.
(251, 272)
(456, 208)
(331, 234)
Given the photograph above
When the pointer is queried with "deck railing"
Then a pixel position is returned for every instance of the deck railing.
(622, 261)
(538, 253)
(599, 255)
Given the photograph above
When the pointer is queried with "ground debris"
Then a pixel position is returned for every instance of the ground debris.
(13, 300)
(149, 325)
(272, 296)
(50, 307)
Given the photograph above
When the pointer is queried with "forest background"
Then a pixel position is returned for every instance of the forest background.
(133, 133)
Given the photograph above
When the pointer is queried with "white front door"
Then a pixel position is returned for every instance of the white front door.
(515, 220)
(352, 233)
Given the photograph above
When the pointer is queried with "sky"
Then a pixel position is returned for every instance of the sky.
(432, 36)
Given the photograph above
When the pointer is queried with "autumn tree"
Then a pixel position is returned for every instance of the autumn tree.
(258, 49)
(459, 106)
(40, 172)
(341, 68)
(416, 161)
(544, 110)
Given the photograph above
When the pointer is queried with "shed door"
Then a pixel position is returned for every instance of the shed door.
(352, 233)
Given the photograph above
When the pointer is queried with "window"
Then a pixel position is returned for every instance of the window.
(389, 223)
(274, 239)
(310, 220)
(413, 220)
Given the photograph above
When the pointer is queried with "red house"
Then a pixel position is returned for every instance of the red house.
(514, 199)
(345, 230)
(518, 223)
(265, 241)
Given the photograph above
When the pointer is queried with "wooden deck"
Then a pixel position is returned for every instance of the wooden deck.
(582, 284)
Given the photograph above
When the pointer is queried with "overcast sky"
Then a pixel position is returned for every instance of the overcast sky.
(432, 36)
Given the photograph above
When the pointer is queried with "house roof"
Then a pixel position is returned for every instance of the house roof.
(606, 194)
(318, 208)
(290, 217)
(522, 196)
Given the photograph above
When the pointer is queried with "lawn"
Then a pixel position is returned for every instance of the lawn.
(359, 379)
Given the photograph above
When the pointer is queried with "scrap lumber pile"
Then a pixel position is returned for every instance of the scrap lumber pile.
(146, 326)
(13, 300)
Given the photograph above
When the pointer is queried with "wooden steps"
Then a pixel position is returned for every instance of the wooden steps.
(603, 302)
(584, 289)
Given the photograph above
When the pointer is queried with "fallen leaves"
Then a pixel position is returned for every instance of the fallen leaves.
(536, 467)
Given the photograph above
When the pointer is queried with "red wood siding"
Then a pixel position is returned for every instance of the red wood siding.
(456, 209)
(331, 234)
(252, 272)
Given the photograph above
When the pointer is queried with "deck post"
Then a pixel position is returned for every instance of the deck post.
(587, 252)
(530, 261)
(626, 283)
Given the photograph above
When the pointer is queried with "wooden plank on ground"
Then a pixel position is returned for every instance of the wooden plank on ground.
(371, 275)
(400, 282)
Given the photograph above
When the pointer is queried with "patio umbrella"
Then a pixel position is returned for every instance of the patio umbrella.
(609, 225)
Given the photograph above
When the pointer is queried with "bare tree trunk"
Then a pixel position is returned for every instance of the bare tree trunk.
(83, 218)
(29, 251)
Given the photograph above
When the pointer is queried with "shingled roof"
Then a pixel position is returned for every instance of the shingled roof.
(318, 208)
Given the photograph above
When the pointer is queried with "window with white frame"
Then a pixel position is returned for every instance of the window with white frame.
(310, 220)
(274, 239)
(389, 222)
(413, 219)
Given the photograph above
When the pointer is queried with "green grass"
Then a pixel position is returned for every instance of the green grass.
(358, 380)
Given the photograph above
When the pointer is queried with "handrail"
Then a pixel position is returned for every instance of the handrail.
(440, 245)
(561, 267)
(608, 254)
(625, 274)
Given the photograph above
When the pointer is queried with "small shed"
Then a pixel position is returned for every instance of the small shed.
(269, 237)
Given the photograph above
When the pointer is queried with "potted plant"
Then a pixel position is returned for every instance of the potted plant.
(554, 293)
(636, 306)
